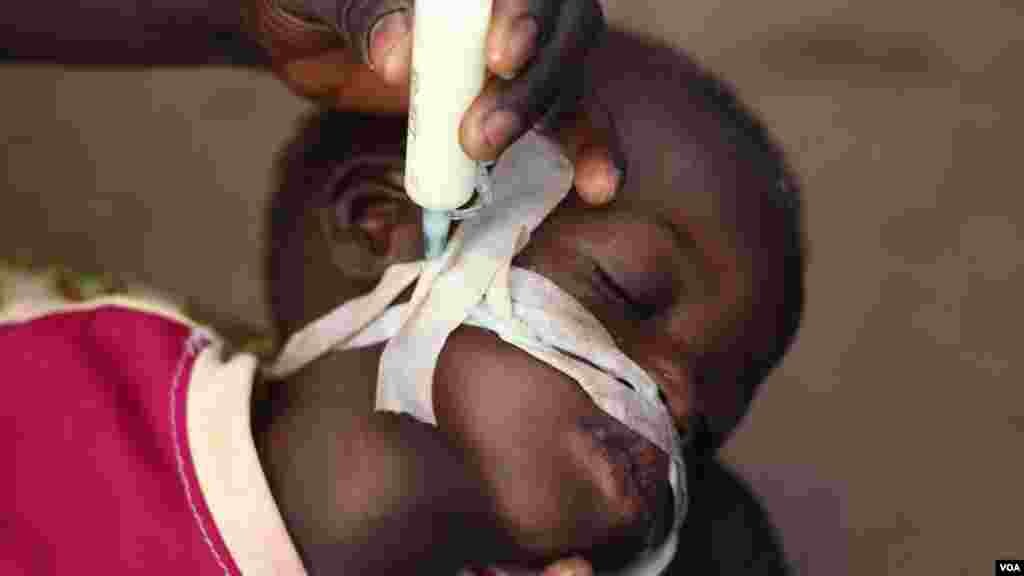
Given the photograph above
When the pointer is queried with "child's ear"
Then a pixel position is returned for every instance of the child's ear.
(369, 228)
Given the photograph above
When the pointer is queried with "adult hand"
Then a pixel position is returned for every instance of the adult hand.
(356, 55)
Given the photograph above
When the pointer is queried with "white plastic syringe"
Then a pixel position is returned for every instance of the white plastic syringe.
(448, 73)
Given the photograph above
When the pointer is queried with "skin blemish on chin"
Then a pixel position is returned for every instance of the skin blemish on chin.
(628, 471)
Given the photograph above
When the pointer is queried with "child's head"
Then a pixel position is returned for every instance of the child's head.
(695, 269)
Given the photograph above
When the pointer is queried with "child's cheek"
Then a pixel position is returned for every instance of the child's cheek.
(668, 362)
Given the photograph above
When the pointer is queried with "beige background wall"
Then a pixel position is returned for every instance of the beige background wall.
(890, 441)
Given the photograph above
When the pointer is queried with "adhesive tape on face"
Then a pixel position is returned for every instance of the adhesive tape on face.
(473, 283)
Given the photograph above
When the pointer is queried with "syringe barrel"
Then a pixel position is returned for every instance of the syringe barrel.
(448, 73)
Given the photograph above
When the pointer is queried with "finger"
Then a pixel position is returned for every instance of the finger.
(596, 178)
(390, 47)
(485, 126)
(284, 35)
(339, 80)
(307, 54)
(571, 567)
(499, 116)
(377, 31)
(593, 145)
(512, 37)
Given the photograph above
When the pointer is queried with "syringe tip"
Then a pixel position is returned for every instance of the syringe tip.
(436, 225)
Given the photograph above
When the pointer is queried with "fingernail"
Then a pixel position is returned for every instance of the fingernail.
(396, 63)
(519, 45)
(387, 40)
(500, 127)
(603, 181)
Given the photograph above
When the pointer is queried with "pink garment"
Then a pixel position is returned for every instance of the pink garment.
(102, 479)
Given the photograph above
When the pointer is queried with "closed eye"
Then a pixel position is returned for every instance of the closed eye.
(608, 287)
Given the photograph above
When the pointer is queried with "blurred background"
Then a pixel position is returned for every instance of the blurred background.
(890, 441)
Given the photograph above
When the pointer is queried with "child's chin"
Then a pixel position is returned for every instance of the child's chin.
(631, 478)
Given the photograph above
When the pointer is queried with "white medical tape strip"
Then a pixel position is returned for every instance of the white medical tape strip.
(613, 397)
(337, 327)
(352, 325)
(474, 284)
(431, 270)
(523, 195)
(564, 324)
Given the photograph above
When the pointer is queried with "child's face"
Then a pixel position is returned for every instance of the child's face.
(660, 268)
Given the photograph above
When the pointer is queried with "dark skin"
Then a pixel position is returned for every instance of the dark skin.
(522, 466)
